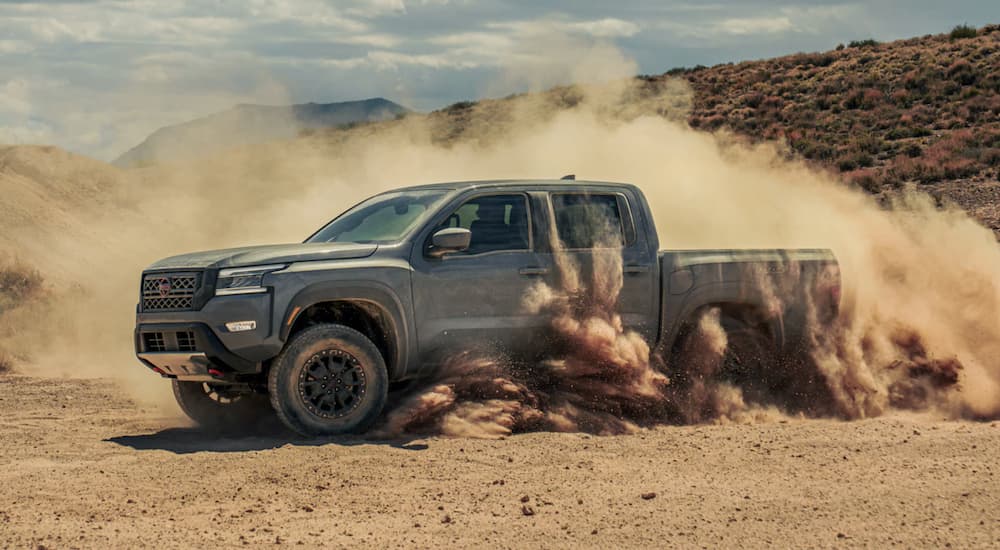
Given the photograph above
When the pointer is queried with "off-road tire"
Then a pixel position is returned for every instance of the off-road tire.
(293, 386)
(749, 349)
(765, 374)
(204, 406)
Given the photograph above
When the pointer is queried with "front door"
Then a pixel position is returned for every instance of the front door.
(473, 299)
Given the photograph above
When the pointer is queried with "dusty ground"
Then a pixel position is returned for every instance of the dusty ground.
(82, 466)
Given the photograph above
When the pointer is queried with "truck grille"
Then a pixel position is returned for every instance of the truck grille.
(182, 340)
(154, 341)
(169, 291)
(185, 341)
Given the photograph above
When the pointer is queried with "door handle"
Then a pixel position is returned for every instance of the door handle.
(635, 269)
(529, 271)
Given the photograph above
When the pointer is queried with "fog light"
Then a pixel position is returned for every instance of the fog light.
(241, 326)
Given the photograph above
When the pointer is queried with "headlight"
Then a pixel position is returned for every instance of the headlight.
(244, 280)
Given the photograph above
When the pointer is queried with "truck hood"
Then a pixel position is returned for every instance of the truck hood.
(268, 254)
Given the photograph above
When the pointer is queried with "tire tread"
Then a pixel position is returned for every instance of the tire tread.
(310, 336)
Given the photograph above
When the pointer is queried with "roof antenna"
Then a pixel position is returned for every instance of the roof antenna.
(568, 177)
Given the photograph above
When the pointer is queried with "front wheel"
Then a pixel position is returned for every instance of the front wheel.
(329, 380)
(218, 408)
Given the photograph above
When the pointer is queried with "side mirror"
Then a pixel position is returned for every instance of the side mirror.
(451, 239)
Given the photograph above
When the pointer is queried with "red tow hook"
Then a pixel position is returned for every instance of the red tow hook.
(159, 371)
(216, 373)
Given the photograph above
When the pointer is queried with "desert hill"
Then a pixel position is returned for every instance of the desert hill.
(246, 124)
(45, 189)
(924, 109)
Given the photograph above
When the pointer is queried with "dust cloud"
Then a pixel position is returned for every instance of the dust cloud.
(920, 286)
(602, 381)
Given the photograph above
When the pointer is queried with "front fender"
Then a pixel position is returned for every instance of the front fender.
(386, 288)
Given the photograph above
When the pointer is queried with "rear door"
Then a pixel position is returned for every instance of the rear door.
(602, 222)
(474, 298)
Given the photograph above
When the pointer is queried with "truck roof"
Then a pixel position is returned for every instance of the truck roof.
(480, 184)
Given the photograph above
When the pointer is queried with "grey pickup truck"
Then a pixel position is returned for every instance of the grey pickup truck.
(319, 331)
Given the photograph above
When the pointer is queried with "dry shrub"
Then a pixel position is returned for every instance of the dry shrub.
(962, 31)
(20, 289)
(18, 283)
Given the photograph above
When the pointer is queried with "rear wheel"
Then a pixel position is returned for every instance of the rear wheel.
(751, 360)
(713, 349)
(218, 407)
(329, 380)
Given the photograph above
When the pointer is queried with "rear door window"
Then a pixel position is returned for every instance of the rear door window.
(589, 220)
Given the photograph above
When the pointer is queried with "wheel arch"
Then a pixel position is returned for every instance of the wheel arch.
(735, 301)
(374, 311)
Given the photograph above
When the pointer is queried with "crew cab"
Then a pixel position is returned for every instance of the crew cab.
(389, 288)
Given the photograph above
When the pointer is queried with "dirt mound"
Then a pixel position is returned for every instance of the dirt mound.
(50, 202)
(42, 185)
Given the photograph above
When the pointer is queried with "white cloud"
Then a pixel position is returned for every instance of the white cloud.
(15, 46)
(598, 28)
(50, 29)
(30, 133)
(392, 60)
(375, 8)
(378, 40)
(315, 13)
(15, 97)
(501, 43)
(606, 28)
(382, 60)
(755, 25)
(813, 19)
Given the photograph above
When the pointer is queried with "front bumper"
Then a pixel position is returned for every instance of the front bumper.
(183, 365)
(196, 345)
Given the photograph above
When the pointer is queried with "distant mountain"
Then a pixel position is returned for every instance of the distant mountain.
(245, 124)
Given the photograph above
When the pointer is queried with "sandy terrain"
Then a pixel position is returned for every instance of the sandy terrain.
(82, 466)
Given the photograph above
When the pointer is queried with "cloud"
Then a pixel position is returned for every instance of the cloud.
(608, 27)
(15, 46)
(15, 97)
(755, 25)
(309, 13)
(98, 76)
(29, 133)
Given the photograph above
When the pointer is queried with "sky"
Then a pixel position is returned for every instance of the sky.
(96, 77)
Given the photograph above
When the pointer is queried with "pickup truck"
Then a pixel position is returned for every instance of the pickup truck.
(319, 330)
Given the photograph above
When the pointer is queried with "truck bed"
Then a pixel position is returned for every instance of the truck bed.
(773, 282)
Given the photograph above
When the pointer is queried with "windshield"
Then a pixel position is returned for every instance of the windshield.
(383, 218)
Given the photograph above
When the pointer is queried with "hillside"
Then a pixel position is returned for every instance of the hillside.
(924, 110)
(45, 190)
(248, 124)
